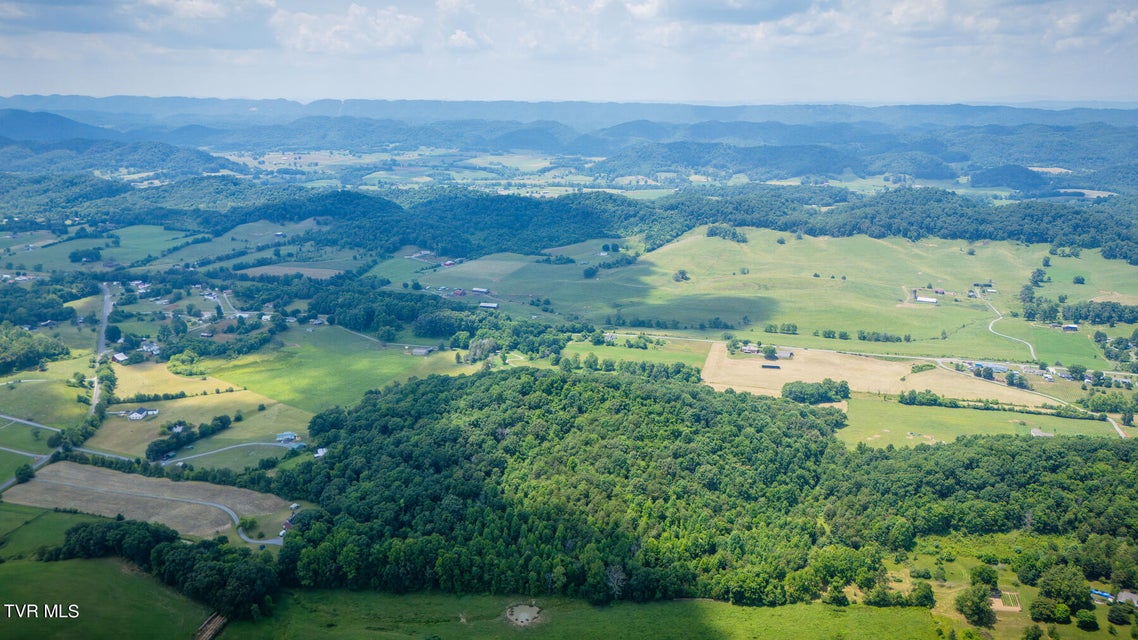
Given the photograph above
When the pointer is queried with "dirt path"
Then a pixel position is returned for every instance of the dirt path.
(1000, 316)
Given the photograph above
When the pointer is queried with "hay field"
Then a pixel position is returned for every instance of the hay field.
(864, 373)
(130, 437)
(879, 422)
(288, 269)
(67, 485)
(771, 282)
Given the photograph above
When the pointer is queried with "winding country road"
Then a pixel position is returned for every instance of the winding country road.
(1000, 316)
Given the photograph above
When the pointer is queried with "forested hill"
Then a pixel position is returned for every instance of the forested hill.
(608, 486)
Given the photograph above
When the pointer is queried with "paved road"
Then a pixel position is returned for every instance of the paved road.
(28, 422)
(142, 494)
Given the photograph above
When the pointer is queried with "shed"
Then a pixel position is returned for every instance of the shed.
(926, 299)
(488, 305)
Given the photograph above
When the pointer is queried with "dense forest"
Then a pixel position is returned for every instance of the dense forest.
(614, 486)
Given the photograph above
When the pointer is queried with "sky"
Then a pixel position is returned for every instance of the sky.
(692, 51)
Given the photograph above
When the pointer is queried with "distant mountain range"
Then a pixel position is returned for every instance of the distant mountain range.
(136, 111)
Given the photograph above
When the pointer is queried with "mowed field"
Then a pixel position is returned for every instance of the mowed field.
(770, 282)
(178, 505)
(43, 396)
(311, 614)
(326, 367)
(880, 422)
(866, 374)
(115, 600)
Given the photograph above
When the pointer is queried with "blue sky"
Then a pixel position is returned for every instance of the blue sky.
(710, 51)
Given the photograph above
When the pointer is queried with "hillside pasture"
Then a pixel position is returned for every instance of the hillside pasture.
(43, 397)
(328, 366)
(304, 614)
(245, 236)
(115, 600)
(862, 284)
(285, 268)
(690, 352)
(131, 437)
(10, 461)
(139, 241)
(16, 435)
(25, 529)
(238, 459)
(880, 422)
(67, 485)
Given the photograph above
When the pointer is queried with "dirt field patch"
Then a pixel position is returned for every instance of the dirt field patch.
(1114, 296)
(179, 505)
(863, 373)
(523, 614)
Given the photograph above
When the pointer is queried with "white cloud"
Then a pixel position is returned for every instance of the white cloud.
(360, 30)
(461, 40)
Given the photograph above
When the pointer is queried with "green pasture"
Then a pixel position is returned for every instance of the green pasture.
(399, 269)
(9, 462)
(880, 422)
(138, 241)
(42, 396)
(327, 367)
(131, 437)
(309, 614)
(779, 287)
(23, 437)
(115, 600)
(19, 240)
(244, 236)
(520, 161)
(240, 458)
(690, 352)
(25, 529)
(80, 338)
(55, 257)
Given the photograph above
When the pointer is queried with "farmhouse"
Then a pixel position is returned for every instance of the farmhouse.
(750, 348)
(422, 351)
(141, 413)
(1070, 327)
(287, 436)
(120, 357)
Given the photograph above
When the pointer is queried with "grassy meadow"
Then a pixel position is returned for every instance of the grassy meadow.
(880, 422)
(115, 601)
(9, 462)
(861, 283)
(308, 614)
(43, 396)
(327, 367)
(16, 435)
